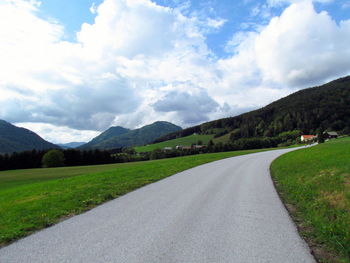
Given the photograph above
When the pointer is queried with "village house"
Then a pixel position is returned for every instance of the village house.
(182, 147)
(307, 138)
(193, 147)
(198, 147)
(167, 149)
(330, 135)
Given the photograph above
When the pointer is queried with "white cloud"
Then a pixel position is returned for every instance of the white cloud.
(216, 23)
(59, 134)
(279, 2)
(302, 47)
(93, 8)
(85, 85)
(140, 62)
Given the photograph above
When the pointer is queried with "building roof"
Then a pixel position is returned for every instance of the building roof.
(308, 136)
(332, 133)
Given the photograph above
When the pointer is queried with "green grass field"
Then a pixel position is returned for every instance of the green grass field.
(315, 185)
(185, 141)
(222, 139)
(36, 198)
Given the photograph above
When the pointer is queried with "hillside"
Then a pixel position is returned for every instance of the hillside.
(111, 132)
(185, 141)
(309, 110)
(110, 140)
(15, 139)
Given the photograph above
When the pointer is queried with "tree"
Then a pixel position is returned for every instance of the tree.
(53, 158)
(320, 137)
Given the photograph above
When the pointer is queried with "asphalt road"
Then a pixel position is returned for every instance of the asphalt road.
(225, 211)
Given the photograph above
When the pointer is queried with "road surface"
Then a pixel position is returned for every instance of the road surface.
(225, 211)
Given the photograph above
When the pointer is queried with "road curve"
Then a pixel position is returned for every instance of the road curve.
(225, 211)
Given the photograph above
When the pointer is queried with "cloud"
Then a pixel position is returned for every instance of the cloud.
(93, 9)
(300, 48)
(59, 134)
(216, 23)
(303, 47)
(86, 85)
(346, 5)
(279, 2)
(183, 104)
(139, 62)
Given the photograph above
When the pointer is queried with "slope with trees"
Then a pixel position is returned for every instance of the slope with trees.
(141, 136)
(310, 110)
(15, 139)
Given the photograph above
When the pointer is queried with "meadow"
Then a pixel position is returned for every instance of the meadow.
(185, 141)
(315, 186)
(33, 199)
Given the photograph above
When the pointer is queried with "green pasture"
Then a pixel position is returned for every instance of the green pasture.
(185, 141)
(315, 183)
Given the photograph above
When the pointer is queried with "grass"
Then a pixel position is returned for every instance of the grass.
(315, 185)
(36, 198)
(223, 139)
(185, 141)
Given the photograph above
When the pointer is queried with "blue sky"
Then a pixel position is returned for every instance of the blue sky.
(71, 69)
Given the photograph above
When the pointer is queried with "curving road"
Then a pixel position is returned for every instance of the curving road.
(225, 211)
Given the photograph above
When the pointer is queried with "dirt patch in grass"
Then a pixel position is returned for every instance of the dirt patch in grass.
(336, 199)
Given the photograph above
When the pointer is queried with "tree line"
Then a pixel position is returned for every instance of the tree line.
(74, 157)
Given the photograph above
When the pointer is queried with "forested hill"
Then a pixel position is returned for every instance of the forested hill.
(15, 139)
(111, 132)
(117, 137)
(309, 110)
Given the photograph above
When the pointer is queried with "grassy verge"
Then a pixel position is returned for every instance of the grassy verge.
(315, 186)
(185, 141)
(36, 198)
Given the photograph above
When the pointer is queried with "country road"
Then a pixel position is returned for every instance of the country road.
(225, 211)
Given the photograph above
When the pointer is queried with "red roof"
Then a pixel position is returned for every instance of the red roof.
(308, 136)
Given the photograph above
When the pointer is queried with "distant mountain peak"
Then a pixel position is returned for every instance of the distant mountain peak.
(70, 145)
(116, 137)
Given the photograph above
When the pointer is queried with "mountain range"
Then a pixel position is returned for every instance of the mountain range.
(309, 110)
(15, 139)
(117, 137)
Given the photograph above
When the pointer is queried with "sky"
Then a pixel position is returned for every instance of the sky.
(71, 69)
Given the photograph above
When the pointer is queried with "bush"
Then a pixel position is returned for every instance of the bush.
(53, 158)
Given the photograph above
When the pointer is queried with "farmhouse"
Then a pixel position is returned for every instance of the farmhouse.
(198, 147)
(166, 149)
(307, 138)
(181, 147)
(330, 135)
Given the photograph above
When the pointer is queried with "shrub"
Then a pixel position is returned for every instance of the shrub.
(53, 158)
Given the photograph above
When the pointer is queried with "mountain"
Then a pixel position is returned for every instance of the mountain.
(309, 110)
(116, 137)
(70, 145)
(111, 132)
(15, 139)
